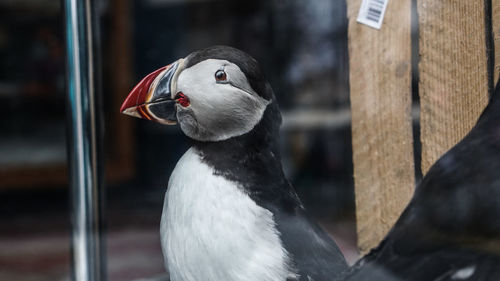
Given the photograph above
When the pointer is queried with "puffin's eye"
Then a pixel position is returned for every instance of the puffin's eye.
(220, 76)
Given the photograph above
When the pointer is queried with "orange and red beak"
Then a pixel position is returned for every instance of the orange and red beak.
(153, 98)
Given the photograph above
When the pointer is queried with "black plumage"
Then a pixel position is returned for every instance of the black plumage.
(253, 160)
(451, 228)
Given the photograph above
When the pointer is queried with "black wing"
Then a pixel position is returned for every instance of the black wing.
(315, 255)
(451, 228)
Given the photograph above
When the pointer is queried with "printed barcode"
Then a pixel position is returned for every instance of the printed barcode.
(372, 12)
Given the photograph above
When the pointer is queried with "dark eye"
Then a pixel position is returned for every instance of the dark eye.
(220, 76)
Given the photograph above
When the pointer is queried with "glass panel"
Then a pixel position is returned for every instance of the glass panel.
(302, 47)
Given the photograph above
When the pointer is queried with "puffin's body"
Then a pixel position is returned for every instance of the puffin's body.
(229, 212)
(210, 227)
(451, 228)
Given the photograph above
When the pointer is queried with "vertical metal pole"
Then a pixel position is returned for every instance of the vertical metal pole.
(88, 263)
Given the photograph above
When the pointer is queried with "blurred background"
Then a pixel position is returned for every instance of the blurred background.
(302, 46)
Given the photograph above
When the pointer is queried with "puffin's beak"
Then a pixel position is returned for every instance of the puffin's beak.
(153, 98)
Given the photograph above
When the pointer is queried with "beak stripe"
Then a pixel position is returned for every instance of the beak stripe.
(152, 99)
(143, 112)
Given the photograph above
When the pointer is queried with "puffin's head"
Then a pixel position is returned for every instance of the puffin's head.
(214, 94)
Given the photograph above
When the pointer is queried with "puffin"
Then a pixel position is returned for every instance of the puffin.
(451, 228)
(229, 212)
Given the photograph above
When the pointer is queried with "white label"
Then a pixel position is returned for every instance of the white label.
(372, 12)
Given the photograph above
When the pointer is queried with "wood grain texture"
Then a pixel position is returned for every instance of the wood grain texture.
(495, 18)
(380, 83)
(453, 73)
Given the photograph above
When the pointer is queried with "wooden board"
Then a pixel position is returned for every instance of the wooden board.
(495, 4)
(453, 85)
(380, 84)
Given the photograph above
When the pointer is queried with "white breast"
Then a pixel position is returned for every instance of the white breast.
(212, 230)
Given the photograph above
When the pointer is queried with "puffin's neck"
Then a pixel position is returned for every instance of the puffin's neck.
(258, 145)
(252, 160)
(262, 140)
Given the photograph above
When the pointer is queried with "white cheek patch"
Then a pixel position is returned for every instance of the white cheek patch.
(218, 111)
(237, 79)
